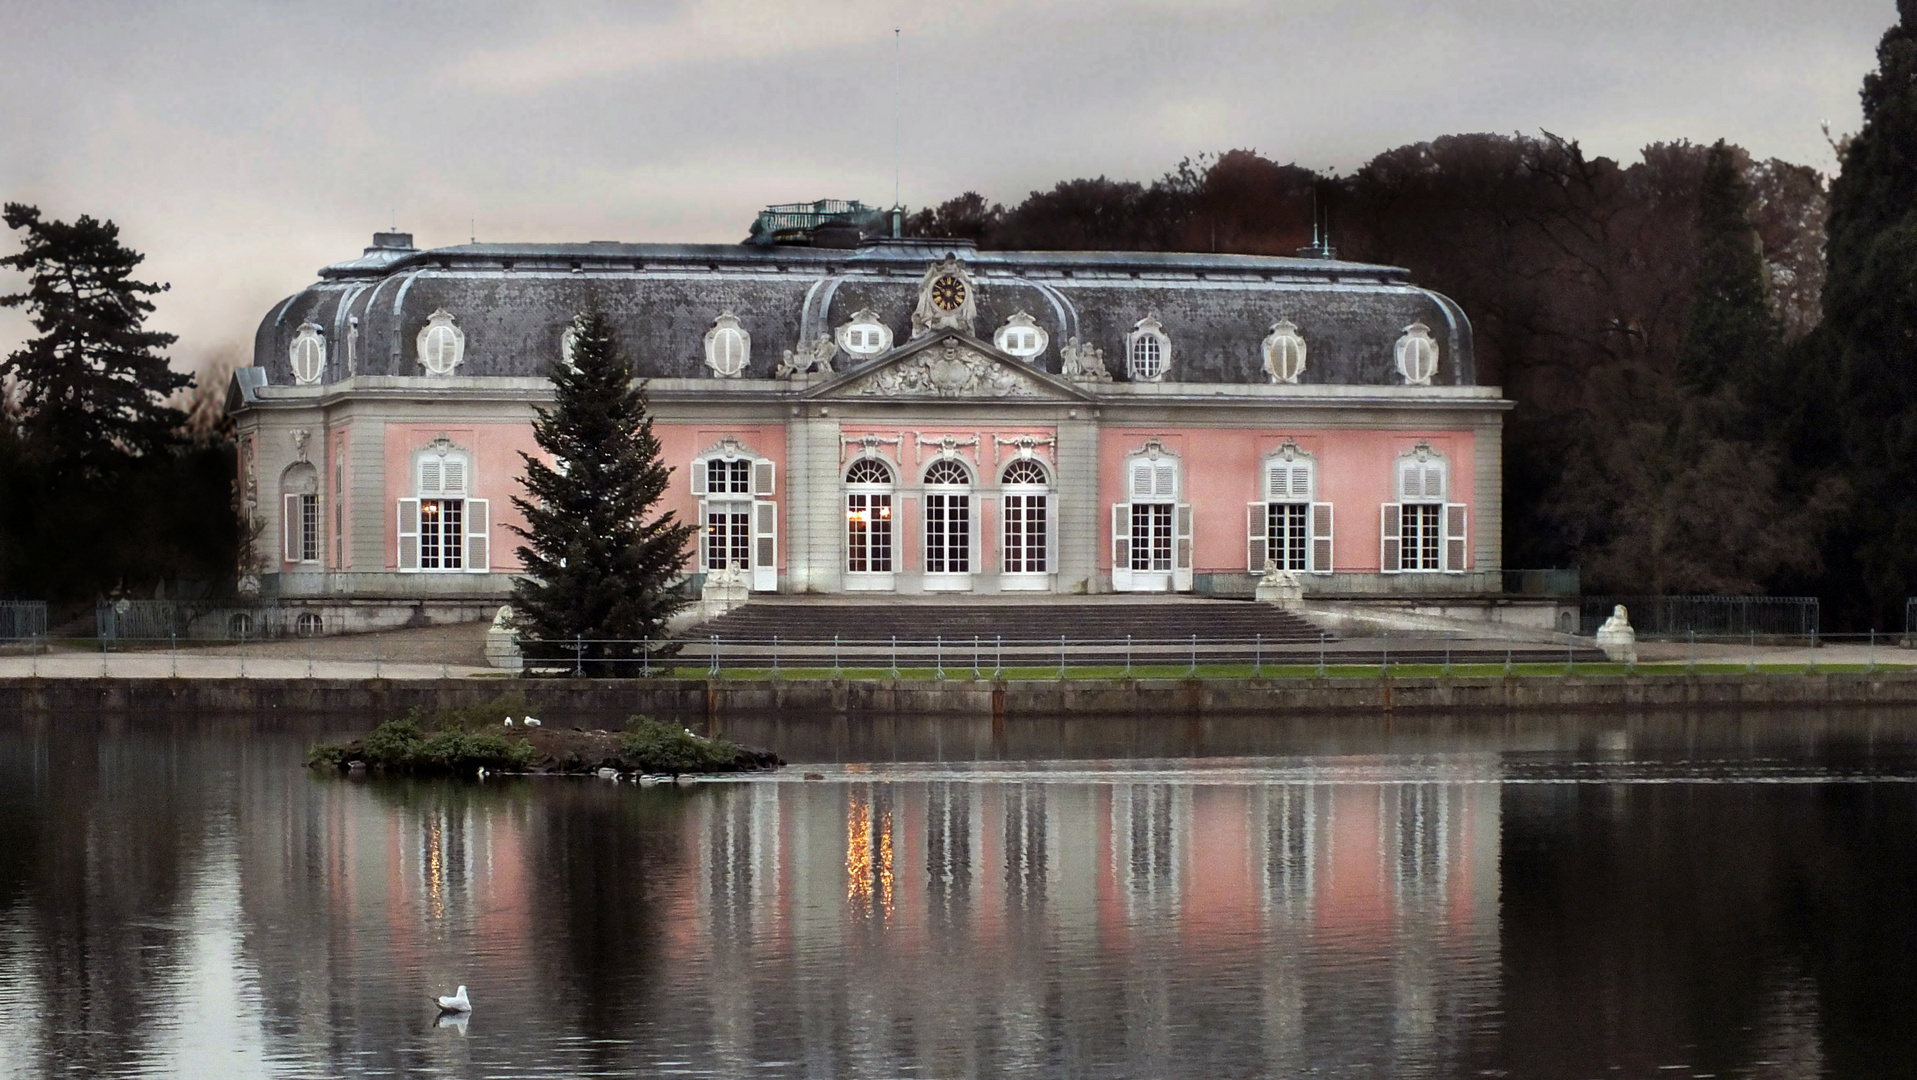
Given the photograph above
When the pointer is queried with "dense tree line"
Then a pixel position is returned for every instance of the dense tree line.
(108, 487)
(1687, 420)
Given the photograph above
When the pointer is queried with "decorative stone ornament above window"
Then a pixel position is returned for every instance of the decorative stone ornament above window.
(947, 299)
(1022, 337)
(728, 347)
(1148, 351)
(1284, 353)
(308, 355)
(863, 336)
(1417, 355)
(441, 344)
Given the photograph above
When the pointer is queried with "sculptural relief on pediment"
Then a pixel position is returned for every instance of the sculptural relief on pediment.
(948, 370)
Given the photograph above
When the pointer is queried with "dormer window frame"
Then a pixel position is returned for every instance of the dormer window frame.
(1148, 351)
(728, 347)
(864, 335)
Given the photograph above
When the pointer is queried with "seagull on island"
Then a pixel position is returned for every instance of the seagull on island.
(509, 721)
(458, 1003)
(530, 722)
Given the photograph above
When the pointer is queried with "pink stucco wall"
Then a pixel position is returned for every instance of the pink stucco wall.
(1221, 475)
(495, 477)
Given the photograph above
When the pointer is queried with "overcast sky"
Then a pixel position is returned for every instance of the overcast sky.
(243, 145)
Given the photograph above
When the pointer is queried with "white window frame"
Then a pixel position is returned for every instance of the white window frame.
(954, 500)
(1022, 337)
(870, 333)
(861, 499)
(1288, 489)
(1015, 506)
(441, 344)
(1417, 355)
(1421, 482)
(1148, 338)
(442, 482)
(745, 498)
(1154, 479)
(728, 347)
(1284, 353)
(307, 355)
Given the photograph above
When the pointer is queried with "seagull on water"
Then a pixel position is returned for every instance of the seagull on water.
(458, 1003)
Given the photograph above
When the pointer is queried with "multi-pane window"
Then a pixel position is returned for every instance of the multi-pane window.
(1151, 536)
(1288, 513)
(1025, 517)
(868, 517)
(1423, 531)
(309, 528)
(728, 535)
(729, 477)
(442, 534)
(948, 519)
(443, 528)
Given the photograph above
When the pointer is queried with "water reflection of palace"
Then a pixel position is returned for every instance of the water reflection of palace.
(981, 925)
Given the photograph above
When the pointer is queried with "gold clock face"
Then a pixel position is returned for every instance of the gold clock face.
(948, 293)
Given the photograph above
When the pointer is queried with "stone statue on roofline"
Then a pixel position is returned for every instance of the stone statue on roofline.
(1086, 363)
(807, 358)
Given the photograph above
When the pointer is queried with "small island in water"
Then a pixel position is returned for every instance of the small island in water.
(494, 737)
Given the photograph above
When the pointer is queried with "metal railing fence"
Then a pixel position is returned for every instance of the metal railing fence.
(148, 621)
(22, 620)
(1707, 616)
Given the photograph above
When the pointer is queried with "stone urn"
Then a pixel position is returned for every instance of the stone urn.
(1616, 637)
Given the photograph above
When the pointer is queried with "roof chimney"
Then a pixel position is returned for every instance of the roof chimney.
(392, 241)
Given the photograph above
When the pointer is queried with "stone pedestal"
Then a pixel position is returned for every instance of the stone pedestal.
(1280, 587)
(502, 642)
(724, 590)
(1617, 639)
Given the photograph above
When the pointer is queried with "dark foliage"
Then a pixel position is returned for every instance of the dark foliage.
(653, 746)
(602, 564)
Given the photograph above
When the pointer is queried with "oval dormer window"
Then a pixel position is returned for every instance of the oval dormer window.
(1021, 336)
(1417, 355)
(1149, 352)
(728, 347)
(1284, 353)
(442, 344)
(308, 355)
(863, 336)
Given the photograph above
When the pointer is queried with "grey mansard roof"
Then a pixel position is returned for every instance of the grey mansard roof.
(513, 301)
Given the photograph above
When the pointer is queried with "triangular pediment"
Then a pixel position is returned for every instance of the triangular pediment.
(948, 365)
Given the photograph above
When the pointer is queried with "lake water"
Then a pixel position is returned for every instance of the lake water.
(1447, 898)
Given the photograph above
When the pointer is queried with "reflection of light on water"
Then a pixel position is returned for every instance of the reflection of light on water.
(868, 879)
(436, 871)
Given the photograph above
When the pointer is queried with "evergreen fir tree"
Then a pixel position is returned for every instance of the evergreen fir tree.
(1869, 335)
(600, 560)
(93, 385)
(1733, 339)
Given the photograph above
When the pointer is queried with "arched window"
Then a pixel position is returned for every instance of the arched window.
(1420, 531)
(441, 344)
(948, 518)
(864, 335)
(1027, 499)
(443, 528)
(1021, 336)
(1152, 531)
(728, 347)
(308, 355)
(868, 524)
(300, 500)
(1148, 352)
(1417, 355)
(1284, 353)
(1284, 525)
(735, 488)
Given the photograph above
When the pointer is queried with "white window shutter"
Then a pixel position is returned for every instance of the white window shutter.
(1321, 538)
(1141, 479)
(479, 553)
(765, 545)
(291, 521)
(762, 477)
(1454, 547)
(702, 538)
(1122, 546)
(409, 534)
(1181, 548)
(429, 477)
(1390, 538)
(454, 481)
(699, 480)
(1167, 485)
(1255, 536)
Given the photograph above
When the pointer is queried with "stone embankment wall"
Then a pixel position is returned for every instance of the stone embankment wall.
(694, 701)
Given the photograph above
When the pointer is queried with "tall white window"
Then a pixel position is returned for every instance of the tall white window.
(868, 524)
(1284, 525)
(1421, 532)
(739, 517)
(300, 516)
(444, 528)
(948, 521)
(1027, 499)
(1152, 533)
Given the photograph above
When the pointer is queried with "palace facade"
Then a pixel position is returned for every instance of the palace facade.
(897, 417)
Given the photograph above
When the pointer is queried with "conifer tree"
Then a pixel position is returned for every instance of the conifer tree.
(1869, 334)
(1733, 338)
(601, 560)
(93, 385)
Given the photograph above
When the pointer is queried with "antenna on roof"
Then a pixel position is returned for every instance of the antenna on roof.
(472, 230)
(895, 116)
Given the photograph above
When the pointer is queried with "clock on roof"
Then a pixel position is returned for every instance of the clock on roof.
(948, 293)
(947, 299)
